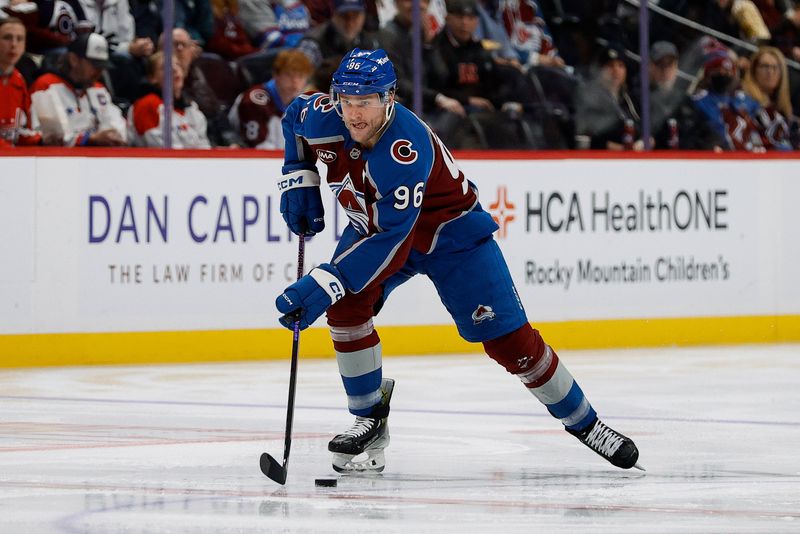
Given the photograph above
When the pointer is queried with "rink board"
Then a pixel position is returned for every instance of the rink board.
(137, 258)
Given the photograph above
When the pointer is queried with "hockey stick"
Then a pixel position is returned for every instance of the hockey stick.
(269, 465)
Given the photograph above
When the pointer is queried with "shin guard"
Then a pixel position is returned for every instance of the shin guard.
(523, 353)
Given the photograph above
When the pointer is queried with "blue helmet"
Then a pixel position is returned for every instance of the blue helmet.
(363, 72)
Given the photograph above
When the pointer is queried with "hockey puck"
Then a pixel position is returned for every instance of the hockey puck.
(325, 482)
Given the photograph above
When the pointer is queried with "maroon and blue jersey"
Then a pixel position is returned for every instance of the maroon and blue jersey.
(405, 193)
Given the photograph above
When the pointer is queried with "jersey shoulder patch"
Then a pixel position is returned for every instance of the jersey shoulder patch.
(319, 120)
(406, 145)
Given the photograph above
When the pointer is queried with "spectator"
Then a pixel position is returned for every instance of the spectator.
(718, 116)
(230, 39)
(461, 69)
(767, 81)
(784, 25)
(15, 101)
(604, 106)
(322, 11)
(341, 34)
(738, 18)
(197, 89)
(147, 114)
(667, 92)
(276, 23)
(256, 17)
(529, 34)
(54, 24)
(196, 18)
(293, 21)
(256, 114)
(71, 106)
(395, 38)
(113, 20)
(492, 34)
(146, 18)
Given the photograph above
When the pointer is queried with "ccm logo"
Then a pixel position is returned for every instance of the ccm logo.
(290, 183)
(326, 156)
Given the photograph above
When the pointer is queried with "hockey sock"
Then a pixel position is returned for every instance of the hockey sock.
(358, 354)
(523, 353)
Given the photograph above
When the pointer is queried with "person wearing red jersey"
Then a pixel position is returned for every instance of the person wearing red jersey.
(147, 114)
(256, 114)
(71, 106)
(15, 101)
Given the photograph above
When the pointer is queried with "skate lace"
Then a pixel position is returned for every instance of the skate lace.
(604, 440)
(360, 427)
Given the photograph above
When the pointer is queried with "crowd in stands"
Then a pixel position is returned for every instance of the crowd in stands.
(495, 74)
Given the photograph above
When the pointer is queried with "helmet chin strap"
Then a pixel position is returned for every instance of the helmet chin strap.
(387, 115)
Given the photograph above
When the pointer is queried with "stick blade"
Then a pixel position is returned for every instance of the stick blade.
(272, 468)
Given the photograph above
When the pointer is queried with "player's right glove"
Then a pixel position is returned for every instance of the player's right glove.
(301, 202)
(309, 297)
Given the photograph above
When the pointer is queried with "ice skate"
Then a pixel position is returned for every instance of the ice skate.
(360, 448)
(619, 450)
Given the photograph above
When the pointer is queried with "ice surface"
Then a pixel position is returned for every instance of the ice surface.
(176, 448)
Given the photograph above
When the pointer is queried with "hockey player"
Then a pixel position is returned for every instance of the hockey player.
(411, 211)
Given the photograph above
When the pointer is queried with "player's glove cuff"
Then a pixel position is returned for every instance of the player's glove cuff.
(301, 178)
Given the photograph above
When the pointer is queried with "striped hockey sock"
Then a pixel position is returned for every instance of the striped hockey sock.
(358, 354)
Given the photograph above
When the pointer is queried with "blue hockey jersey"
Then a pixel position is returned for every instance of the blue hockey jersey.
(404, 193)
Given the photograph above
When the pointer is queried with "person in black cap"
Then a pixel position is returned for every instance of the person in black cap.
(667, 93)
(71, 105)
(462, 69)
(606, 112)
(343, 32)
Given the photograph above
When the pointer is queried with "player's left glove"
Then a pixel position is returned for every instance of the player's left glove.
(301, 202)
(308, 298)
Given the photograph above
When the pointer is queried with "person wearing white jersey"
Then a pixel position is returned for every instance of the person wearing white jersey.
(71, 106)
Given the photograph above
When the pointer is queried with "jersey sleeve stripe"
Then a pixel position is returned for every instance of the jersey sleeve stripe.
(324, 140)
(441, 226)
(389, 257)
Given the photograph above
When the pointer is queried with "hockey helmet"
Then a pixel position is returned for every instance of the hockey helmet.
(364, 72)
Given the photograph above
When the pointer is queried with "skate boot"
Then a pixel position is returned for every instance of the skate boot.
(360, 448)
(620, 450)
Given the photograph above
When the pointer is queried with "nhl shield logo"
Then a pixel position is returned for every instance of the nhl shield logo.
(355, 153)
(483, 313)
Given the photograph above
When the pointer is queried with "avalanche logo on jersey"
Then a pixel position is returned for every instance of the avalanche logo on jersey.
(323, 103)
(353, 203)
(260, 97)
(403, 153)
(483, 313)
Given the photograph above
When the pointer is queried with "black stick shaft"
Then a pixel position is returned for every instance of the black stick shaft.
(301, 249)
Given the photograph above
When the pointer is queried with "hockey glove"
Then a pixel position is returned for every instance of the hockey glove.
(301, 203)
(308, 298)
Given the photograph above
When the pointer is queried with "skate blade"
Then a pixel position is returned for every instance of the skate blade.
(639, 467)
(370, 462)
